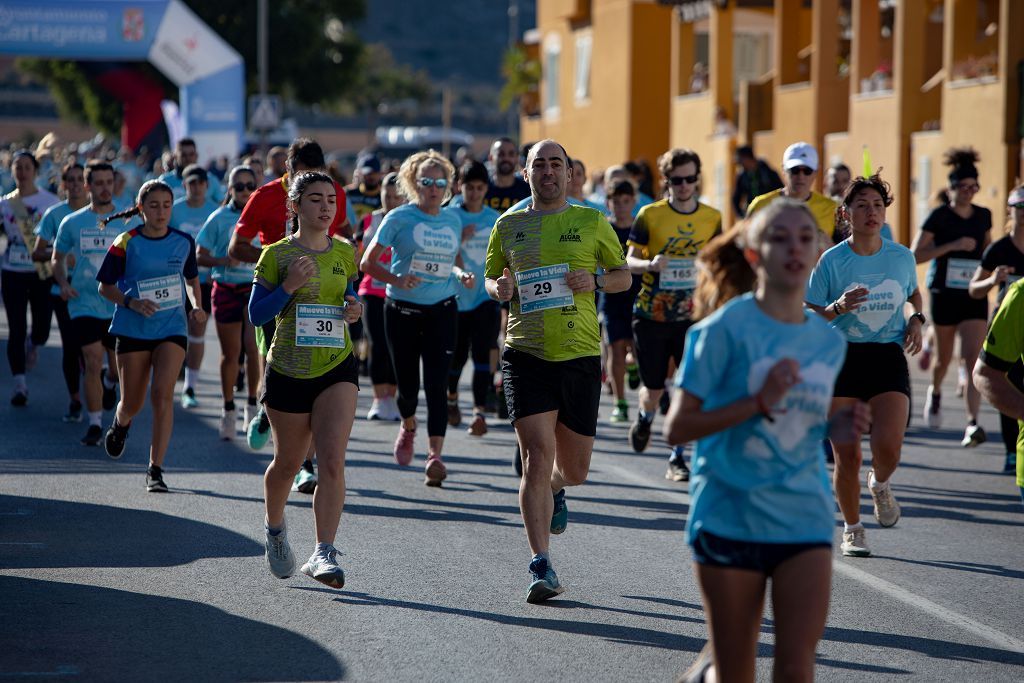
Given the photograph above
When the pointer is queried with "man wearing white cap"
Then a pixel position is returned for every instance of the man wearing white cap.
(800, 166)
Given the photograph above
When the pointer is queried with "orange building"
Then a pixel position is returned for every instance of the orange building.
(902, 80)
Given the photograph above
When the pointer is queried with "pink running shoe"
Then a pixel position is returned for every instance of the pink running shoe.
(436, 472)
(404, 450)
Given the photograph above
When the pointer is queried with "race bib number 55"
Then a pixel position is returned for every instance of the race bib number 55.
(164, 291)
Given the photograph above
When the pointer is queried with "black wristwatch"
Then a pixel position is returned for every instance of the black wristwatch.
(598, 282)
(128, 302)
(919, 316)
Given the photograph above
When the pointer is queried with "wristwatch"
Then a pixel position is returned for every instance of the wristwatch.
(598, 282)
(919, 316)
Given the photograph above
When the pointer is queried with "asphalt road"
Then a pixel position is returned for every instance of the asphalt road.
(101, 581)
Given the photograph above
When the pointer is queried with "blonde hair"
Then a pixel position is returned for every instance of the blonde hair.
(411, 167)
(753, 236)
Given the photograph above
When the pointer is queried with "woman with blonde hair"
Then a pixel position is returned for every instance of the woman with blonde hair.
(420, 311)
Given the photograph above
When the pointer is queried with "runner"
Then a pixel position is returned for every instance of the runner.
(420, 312)
(754, 178)
(365, 195)
(506, 186)
(861, 286)
(837, 179)
(755, 389)
(265, 217)
(83, 236)
(800, 165)
(73, 183)
(144, 273)
(232, 283)
(1003, 349)
(479, 315)
(185, 155)
(954, 237)
(617, 309)
(189, 215)
(1002, 264)
(24, 284)
(312, 377)
(551, 362)
(373, 292)
(663, 245)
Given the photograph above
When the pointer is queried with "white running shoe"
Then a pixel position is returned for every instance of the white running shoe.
(323, 566)
(974, 435)
(855, 543)
(392, 413)
(228, 420)
(933, 409)
(376, 411)
(248, 412)
(279, 555)
(887, 510)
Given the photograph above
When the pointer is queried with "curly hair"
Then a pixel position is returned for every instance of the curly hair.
(411, 167)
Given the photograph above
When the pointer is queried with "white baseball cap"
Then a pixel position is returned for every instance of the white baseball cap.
(800, 154)
(1016, 197)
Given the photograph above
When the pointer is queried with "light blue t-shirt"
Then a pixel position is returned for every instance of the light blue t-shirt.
(82, 235)
(424, 245)
(214, 191)
(762, 481)
(890, 275)
(886, 232)
(474, 252)
(215, 236)
(190, 221)
(47, 229)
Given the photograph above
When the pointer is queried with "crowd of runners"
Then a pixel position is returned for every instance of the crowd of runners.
(770, 347)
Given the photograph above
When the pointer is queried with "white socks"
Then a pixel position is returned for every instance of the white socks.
(191, 378)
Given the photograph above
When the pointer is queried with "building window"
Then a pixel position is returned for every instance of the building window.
(581, 88)
(552, 75)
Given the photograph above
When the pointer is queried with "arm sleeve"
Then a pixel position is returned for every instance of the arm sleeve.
(706, 360)
(609, 249)
(1004, 344)
(191, 267)
(495, 262)
(265, 303)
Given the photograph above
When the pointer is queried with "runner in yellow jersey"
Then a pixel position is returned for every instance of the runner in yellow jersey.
(544, 260)
(800, 165)
(662, 248)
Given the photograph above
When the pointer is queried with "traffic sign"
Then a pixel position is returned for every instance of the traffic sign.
(264, 112)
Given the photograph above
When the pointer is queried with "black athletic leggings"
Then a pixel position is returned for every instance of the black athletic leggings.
(427, 331)
(22, 291)
(381, 369)
(71, 360)
(478, 329)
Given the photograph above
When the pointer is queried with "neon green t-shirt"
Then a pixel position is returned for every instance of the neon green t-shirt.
(311, 336)
(539, 247)
(1004, 346)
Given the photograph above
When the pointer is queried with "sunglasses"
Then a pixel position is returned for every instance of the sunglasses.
(680, 179)
(439, 183)
(242, 187)
(968, 187)
(801, 170)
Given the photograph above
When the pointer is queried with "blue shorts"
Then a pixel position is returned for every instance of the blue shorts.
(715, 551)
(618, 327)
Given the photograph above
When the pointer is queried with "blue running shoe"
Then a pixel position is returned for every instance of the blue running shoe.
(545, 584)
(560, 514)
(258, 431)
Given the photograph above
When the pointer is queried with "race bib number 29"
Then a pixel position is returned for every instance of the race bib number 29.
(543, 288)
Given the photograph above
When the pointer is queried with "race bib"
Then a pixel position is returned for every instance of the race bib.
(680, 273)
(96, 241)
(320, 325)
(543, 288)
(164, 291)
(18, 256)
(432, 265)
(377, 284)
(959, 272)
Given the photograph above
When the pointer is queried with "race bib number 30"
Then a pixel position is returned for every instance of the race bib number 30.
(432, 265)
(959, 272)
(543, 288)
(164, 291)
(317, 325)
(680, 273)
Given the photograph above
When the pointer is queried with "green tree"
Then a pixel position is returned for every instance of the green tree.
(313, 56)
(522, 76)
(380, 82)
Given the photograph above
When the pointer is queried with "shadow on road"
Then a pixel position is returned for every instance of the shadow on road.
(52, 533)
(106, 634)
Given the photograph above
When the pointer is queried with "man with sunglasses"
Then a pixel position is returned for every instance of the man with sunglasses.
(800, 166)
(189, 215)
(662, 248)
(266, 216)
